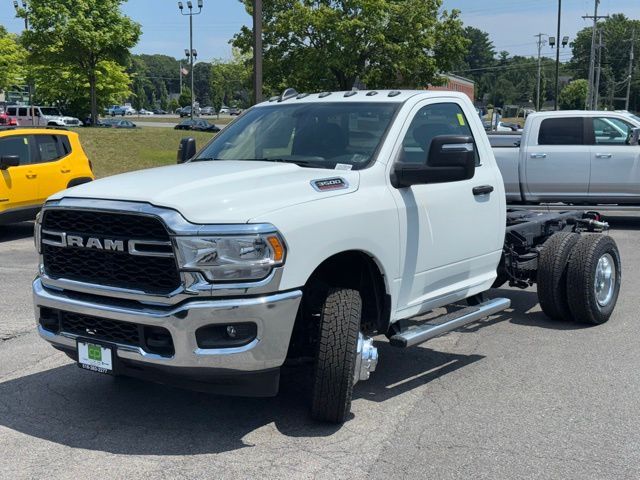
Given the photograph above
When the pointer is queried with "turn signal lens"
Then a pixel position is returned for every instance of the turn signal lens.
(278, 249)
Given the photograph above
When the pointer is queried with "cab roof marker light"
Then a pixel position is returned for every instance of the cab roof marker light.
(351, 93)
(324, 94)
(302, 95)
(371, 93)
(394, 93)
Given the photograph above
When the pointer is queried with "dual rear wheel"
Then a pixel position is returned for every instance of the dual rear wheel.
(579, 277)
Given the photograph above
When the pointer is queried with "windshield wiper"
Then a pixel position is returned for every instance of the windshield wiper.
(302, 163)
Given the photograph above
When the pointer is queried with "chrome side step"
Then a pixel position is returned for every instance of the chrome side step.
(448, 322)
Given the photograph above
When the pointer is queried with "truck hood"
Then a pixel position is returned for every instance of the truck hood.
(219, 191)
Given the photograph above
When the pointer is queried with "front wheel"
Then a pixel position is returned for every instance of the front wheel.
(593, 278)
(336, 355)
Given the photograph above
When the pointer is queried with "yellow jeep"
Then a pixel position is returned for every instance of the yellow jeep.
(34, 164)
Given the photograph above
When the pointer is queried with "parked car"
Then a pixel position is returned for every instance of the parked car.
(185, 124)
(186, 111)
(207, 111)
(235, 111)
(144, 111)
(114, 110)
(201, 125)
(585, 157)
(41, 116)
(159, 111)
(115, 123)
(34, 164)
(259, 252)
(6, 120)
(224, 110)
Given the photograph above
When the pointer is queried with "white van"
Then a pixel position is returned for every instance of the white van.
(41, 116)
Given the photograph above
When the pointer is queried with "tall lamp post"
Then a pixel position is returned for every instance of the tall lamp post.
(26, 27)
(191, 53)
(552, 44)
(257, 50)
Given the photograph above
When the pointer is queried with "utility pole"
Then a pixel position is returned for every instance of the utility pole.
(191, 53)
(596, 92)
(180, 75)
(557, 89)
(257, 50)
(541, 42)
(631, 58)
(592, 60)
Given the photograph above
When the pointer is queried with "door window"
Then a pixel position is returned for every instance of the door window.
(430, 122)
(12, 111)
(49, 148)
(561, 131)
(611, 131)
(22, 112)
(17, 145)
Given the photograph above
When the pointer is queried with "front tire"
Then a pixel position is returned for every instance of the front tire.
(593, 278)
(333, 377)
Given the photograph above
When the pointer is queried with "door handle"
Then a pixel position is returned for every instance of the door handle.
(538, 155)
(482, 189)
(65, 170)
(31, 175)
(604, 155)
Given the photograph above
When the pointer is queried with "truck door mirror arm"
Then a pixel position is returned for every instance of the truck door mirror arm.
(451, 158)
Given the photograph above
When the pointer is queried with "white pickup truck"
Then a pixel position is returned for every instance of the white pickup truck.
(578, 157)
(309, 225)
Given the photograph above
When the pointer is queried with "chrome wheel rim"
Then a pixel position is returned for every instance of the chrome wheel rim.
(605, 281)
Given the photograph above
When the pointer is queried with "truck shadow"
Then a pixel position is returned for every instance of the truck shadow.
(67, 406)
(16, 231)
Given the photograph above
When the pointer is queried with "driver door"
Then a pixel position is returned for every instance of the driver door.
(451, 234)
(18, 185)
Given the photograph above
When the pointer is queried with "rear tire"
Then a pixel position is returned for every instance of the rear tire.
(333, 377)
(593, 278)
(552, 275)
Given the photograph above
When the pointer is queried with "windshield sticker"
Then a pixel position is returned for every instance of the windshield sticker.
(329, 184)
(461, 120)
(343, 166)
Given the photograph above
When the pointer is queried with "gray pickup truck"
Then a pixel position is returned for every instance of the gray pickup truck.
(579, 157)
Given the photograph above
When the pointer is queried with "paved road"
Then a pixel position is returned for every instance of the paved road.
(515, 396)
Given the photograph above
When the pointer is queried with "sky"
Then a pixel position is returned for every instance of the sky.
(511, 24)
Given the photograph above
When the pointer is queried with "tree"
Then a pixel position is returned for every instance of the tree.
(79, 35)
(12, 60)
(574, 95)
(231, 82)
(322, 44)
(617, 32)
(68, 88)
(185, 97)
(202, 82)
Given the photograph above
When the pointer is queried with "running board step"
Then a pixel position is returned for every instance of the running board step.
(448, 322)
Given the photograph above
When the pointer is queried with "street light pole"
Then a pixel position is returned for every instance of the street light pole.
(192, 53)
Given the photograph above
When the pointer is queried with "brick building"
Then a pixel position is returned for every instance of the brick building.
(457, 84)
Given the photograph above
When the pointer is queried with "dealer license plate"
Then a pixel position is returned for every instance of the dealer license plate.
(95, 357)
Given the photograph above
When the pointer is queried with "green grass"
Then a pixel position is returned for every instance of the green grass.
(115, 151)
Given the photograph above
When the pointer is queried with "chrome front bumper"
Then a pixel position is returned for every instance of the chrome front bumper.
(274, 315)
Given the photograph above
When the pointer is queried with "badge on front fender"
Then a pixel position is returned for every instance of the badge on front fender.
(336, 183)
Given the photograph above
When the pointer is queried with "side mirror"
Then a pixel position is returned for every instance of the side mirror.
(451, 158)
(7, 161)
(186, 149)
(635, 137)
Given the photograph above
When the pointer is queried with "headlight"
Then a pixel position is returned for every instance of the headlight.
(231, 258)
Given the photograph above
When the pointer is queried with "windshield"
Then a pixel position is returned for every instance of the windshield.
(50, 111)
(321, 135)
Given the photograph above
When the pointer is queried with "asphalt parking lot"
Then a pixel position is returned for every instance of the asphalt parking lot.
(514, 396)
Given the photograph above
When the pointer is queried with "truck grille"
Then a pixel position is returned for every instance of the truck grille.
(151, 274)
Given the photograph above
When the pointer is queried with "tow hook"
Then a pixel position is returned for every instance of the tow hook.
(366, 358)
